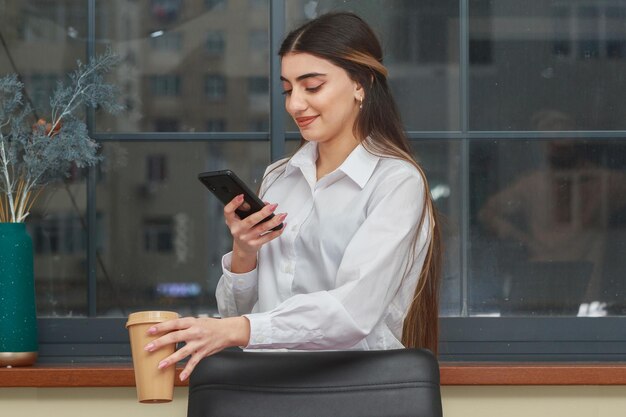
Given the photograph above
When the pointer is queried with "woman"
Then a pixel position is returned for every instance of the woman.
(357, 266)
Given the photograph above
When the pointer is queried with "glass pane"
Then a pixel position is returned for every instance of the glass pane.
(163, 233)
(57, 226)
(420, 46)
(438, 158)
(197, 66)
(537, 55)
(41, 41)
(548, 227)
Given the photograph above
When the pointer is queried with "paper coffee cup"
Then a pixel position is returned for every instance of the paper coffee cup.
(153, 385)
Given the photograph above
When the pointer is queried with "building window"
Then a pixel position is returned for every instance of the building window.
(156, 168)
(215, 43)
(158, 234)
(165, 10)
(165, 124)
(588, 31)
(54, 21)
(58, 233)
(165, 85)
(215, 86)
(216, 125)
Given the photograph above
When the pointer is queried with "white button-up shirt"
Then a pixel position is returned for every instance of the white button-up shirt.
(338, 277)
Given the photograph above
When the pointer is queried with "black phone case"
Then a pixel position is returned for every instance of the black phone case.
(226, 185)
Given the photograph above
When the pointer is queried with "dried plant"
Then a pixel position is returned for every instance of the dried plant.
(33, 155)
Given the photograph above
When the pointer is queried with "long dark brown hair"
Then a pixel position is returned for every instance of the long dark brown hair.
(347, 41)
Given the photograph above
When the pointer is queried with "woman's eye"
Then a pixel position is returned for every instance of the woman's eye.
(286, 92)
(313, 89)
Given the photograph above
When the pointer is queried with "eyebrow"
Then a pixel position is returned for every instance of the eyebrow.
(304, 76)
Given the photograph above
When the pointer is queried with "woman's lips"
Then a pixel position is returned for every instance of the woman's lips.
(305, 121)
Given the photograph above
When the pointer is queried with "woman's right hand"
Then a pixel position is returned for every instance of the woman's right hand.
(248, 234)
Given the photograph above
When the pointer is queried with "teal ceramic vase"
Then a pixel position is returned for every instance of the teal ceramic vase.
(18, 315)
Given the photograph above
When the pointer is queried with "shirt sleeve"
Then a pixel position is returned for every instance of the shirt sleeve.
(369, 276)
(236, 293)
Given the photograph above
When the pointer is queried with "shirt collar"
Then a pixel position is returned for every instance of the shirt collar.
(305, 157)
(358, 166)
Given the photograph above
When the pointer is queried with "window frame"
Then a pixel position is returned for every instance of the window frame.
(463, 338)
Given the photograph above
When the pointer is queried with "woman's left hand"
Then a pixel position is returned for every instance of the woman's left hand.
(202, 337)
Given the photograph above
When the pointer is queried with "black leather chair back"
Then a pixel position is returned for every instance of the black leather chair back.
(391, 383)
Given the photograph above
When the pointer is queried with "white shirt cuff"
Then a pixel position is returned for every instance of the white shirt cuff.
(260, 330)
(238, 282)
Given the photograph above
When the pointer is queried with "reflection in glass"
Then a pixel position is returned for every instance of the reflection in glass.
(527, 56)
(163, 232)
(549, 226)
(58, 229)
(420, 46)
(41, 41)
(437, 158)
(187, 64)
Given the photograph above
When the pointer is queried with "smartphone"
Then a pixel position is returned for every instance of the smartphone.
(226, 185)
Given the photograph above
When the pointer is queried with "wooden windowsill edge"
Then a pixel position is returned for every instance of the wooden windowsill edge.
(108, 375)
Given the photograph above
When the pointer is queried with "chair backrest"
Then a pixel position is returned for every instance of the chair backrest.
(391, 383)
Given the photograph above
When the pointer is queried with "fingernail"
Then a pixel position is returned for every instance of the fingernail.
(152, 330)
(273, 207)
(162, 364)
(283, 216)
(240, 197)
(183, 376)
(149, 346)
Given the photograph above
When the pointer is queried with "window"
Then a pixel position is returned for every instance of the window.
(58, 233)
(156, 168)
(588, 30)
(493, 119)
(165, 10)
(158, 235)
(165, 85)
(53, 21)
(166, 124)
(215, 43)
(216, 125)
(214, 87)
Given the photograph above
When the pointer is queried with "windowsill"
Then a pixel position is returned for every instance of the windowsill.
(108, 375)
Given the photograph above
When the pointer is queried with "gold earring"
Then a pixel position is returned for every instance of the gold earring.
(361, 104)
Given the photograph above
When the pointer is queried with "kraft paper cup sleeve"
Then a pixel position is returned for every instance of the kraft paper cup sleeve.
(153, 385)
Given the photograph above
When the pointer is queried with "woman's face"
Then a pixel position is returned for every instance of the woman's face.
(320, 97)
